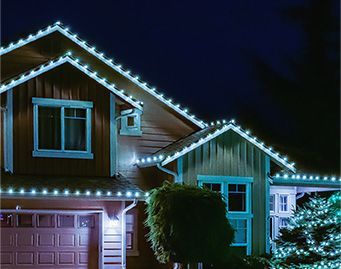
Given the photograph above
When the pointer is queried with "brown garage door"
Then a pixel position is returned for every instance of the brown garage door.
(49, 240)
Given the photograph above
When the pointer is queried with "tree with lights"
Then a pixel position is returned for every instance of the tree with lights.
(312, 238)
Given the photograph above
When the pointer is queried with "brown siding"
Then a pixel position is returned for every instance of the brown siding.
(64, 82)
(231, 155)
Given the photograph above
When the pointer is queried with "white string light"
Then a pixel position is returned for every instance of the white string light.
(55, 192)
(226, 127)
(64, 59)
(92, 50)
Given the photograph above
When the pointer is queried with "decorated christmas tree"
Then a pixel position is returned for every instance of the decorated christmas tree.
(312, 239)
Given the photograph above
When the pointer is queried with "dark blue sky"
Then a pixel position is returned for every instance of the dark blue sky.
(196, 52)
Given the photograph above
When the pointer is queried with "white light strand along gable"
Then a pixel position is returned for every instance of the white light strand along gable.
(75, 62)
(225, 127)
(92, 50)
(308, 178)
(66, 193)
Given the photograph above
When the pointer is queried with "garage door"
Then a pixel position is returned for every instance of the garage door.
(49, 240)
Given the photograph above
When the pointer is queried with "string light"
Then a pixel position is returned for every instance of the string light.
(92, 50)
(224, 128)
(67, 58)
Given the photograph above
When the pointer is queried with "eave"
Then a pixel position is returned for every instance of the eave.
(164, 160)
(306, 181)
(118, 68)
(9, 84)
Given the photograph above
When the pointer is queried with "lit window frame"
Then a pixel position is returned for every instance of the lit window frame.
(135, 129)
(62, 153)
(273, 203)
(282, 204)
(239, 215)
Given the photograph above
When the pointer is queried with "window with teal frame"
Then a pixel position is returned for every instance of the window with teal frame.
(237, 194)
(62, 128)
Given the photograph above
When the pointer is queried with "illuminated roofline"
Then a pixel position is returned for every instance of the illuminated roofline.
(75, 62)
(307, 179)
(92, 50)
(225, 127)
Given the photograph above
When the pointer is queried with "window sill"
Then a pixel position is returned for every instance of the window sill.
(131, 133)
(61, 154)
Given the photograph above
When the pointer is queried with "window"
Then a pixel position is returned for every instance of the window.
(237, 191)
(45, 221)
(241, 230)
(283, 222)
(131, 122)
(66, 221)
(62, 128)
(212, 186)
(272, 202)
(237, 198)
(283, 203)
(6, 220)
(86, 221)
(25, 220)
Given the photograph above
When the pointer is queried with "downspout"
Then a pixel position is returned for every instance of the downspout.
(175, 175)
(124, 234)
(301, 195)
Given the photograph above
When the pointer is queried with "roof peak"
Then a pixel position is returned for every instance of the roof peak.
(58, 26)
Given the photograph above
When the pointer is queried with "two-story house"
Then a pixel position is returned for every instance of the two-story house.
(82, 142)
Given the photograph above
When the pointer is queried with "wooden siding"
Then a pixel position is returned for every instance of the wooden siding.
(231, 155)
(64, 82)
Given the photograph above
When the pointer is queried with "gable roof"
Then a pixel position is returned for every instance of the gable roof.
(195, 140)
(43, 186)
(75, 62)
(118, 68)
(306, 180)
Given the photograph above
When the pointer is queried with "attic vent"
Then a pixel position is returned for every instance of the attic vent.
(131, 122)
(50, 45)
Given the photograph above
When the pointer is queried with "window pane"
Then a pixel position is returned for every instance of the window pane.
(24, 220)
(75, 134)
(131, 121)
(237, 202)
(272, 203)
(66, 221)
(240, 230)
(241, 188)
(69, 112)
(49, 135)
(45, 221)
(81, 113)
(232, 187)
(213, 186)
(6, 220)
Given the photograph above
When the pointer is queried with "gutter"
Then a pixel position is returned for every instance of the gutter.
(175, 175)
(124, 234)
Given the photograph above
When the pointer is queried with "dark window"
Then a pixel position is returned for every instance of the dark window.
(66, 221)
(240, 230)
(237, 197)
(49, 126)
(6, 220)
(271, 228)
(213, 186)
(45, 221)
(24, 220)
(75, 129)
(131, 121)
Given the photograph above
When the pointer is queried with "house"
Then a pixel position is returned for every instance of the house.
(83, 141)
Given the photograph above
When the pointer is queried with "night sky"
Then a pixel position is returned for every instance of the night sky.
(206, 56)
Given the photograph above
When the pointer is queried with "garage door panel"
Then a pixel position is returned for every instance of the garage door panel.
(25, 239)
(26, 257)
(6, 258)
(54, 240)
(46, 258)
(67, 258)
(67, 240)
(6, 238)
(83, 258)
(46, 240)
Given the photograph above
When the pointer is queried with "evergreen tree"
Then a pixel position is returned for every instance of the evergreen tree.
(188, 224)
(312, 239)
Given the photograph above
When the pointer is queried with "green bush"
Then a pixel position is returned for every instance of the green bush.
(188, 224)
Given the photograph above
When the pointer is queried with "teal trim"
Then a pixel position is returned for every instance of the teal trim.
(113, 136)
(8, 132)
(62, 153)
(179, 178)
